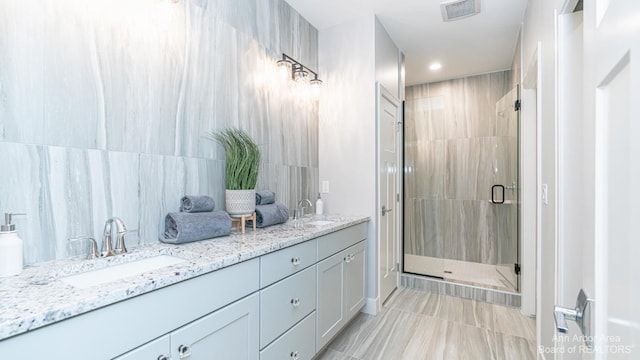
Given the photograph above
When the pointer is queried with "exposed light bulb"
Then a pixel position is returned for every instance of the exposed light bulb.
(285, 68)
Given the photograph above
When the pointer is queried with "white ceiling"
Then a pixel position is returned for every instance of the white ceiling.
(474, 45)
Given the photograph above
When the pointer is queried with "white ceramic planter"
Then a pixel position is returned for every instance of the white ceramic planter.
(240, 202)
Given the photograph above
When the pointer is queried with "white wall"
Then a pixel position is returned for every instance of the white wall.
(387, 61)
(352, 57)
(347, 134)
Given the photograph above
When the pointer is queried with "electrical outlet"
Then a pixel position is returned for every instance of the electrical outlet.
(325, 186)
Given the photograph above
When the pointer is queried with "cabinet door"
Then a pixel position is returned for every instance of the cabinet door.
(330, 305)
(355, 279)
(230, 333)
(155, 350)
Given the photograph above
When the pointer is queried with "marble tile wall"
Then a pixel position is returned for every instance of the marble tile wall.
(104, 108)
(459, 141)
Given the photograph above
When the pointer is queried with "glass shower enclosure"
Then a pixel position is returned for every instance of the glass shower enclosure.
(461, 181)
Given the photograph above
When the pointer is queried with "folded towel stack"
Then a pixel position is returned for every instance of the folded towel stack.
(268, 211)
(196, 221)
(265, 197)
(271, 214)
(197, 203)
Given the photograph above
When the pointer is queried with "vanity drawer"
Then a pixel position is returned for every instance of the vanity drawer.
(297, 343)
(285, 303)
(337, 241)
(282, 263)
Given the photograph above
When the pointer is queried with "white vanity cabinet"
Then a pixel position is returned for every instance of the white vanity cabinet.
(341, 281)
(286, 304)
(111, 331)
(355, 278)
(341, 291)
(230, 333)
(159, 349)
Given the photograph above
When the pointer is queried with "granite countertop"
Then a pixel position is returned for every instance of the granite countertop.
(37, 297)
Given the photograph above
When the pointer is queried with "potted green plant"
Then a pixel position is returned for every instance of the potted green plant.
(241, 169)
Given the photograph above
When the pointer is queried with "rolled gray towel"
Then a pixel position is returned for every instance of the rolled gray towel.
(265, 197)
(271, 214)
(197, 203)
(181, 227)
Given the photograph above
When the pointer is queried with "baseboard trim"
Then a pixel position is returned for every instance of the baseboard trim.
(371, 306)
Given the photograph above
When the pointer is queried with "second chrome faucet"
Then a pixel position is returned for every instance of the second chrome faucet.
(107, 247)
(302, 206)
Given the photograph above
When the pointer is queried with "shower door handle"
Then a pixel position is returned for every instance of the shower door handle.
(493, 193)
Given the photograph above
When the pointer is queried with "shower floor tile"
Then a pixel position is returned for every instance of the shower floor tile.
(417, 325)
(475, 274)
(463, 272)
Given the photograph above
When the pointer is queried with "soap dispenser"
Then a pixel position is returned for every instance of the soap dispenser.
(10, 248)
(319, 206)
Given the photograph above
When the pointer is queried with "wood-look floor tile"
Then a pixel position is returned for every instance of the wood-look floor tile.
(478, 313)
(511, 322)
(415, 325)
(408, 300)
(389, 336)
(469, 342)
(440, 339)
(469, 312)
(354, 334)
(333, 355)
(513, 347)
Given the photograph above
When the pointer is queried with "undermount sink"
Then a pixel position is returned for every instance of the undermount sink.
(116, 272)
(320, 222)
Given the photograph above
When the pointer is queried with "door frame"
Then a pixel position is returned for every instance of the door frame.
(382, 91)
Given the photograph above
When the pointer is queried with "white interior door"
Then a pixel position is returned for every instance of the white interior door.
(613, 34)
(610, 249)
(388, 124)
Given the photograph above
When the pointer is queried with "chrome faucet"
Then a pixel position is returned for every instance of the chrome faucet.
(301, 207)
(107, 247)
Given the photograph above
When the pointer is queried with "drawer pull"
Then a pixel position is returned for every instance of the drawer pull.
(184, 351)
(164, 357)
(294, 355)
(295, 261)
(295, 302)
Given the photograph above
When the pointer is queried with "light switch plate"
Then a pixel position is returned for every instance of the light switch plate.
(325, 186)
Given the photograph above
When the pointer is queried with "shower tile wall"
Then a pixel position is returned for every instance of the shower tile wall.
(456, 147)
(104, 106)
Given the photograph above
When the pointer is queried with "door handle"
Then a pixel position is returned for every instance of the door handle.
(385, 210)
(581, 314)
(493, 192)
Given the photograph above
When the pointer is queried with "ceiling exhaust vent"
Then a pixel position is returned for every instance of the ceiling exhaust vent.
(459, 9)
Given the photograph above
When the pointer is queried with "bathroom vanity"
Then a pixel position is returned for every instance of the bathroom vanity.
(279, 293)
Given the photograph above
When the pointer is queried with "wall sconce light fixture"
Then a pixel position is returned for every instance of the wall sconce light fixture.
(297, 70)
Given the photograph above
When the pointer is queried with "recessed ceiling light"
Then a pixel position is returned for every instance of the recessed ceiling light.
(435, 66)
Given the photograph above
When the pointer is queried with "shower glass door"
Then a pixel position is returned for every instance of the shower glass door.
(461, 181)
(508, 127)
